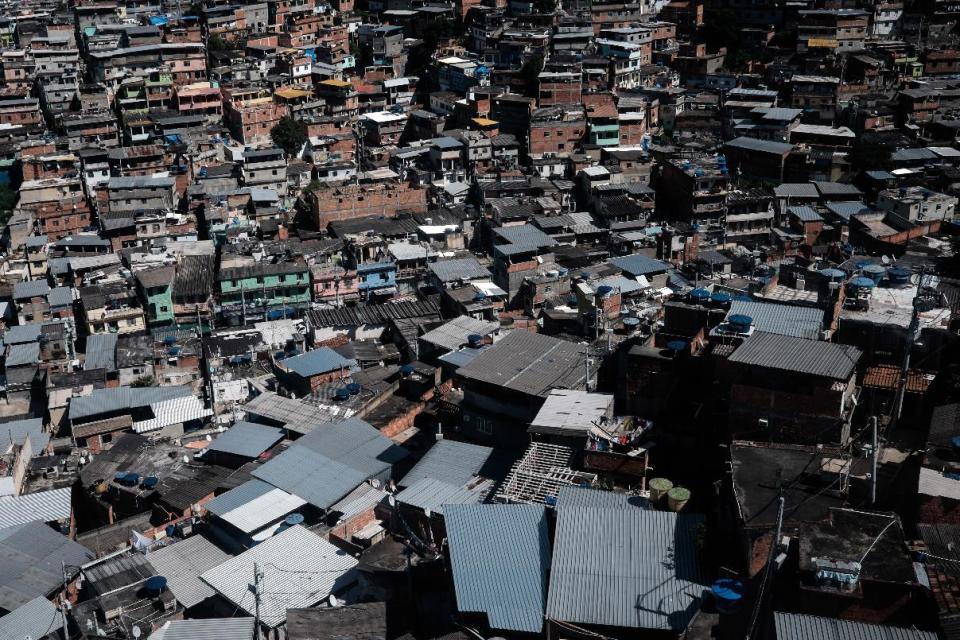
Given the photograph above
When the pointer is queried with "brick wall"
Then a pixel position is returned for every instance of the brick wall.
(357, 201)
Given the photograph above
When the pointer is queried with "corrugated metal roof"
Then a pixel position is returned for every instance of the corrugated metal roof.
(454, 334)
(530, 363)
(253, 505)
(782, 319)
(35, 619)
(805, 214)
(458, 269)
(246, 439)
(786, 353)
(295, 415)
(796, 190)
(17, 431)
(30, 557)
(359, 500)
(181, 563)
(23, 354)
(450, 461)
(22, 333)
(500, 555)
(433, 495)
(934, 483)
(30, 289)
(60, 297)
(329, 462)
(299, 570)
(118, 398)
(618, 564)
(762, 146)
(638, 265)
(101, 352)
(457, 359)
(322, 360)
(793, 626)
(173, 411)
(43, 506)
(205, 629)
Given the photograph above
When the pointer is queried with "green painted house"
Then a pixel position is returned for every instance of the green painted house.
(264, 291)
(156, 289)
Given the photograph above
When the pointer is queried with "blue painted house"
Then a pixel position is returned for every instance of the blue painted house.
(377, 279)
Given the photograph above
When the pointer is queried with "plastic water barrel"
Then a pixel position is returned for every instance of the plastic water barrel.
(677, 498)
(659, 488)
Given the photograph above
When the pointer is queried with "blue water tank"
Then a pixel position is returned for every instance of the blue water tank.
(120, 476)
(341, 394)
(728, 594)
(407, 369)
(132, 479)
(150, 482)
(631, 323)
(740, 321)
(293, 519)
(876, 272)
(862, 282)
(677, 345)
(700, 294)
(721, 297)
(833, 274)
(604, 290)
(170, 341)
(353, 388)
(899, 275)
(156, 584)
(474, 340)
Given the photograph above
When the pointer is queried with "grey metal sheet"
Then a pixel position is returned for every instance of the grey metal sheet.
(17, 432)
(30, 557)
(782, 319)
(117, 398)
(23, 354)
(299, 570)
(429, 494)
(310, 476)
(454, 334)
(34, 619)
(181, 563)
(458, 269)
(208, 629)
(42, 506)
(530, 363)
(500, 555)
(246, 439)
(786, 353)
(792, 626)
(450, 461)
(617, 564)
(354, 443)
(101, 352)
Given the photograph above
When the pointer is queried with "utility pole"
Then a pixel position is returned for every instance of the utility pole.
(908, 347)
(256, 600)
(63, 601)
(874, 454)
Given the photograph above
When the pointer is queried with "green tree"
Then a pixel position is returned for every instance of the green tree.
(290, 135)
(216, 42)
(144, 381)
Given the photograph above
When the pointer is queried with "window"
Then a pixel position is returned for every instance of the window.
(81, 442)
(484, 426)
(105, 438)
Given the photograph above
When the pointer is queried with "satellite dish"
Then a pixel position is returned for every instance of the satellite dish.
(136, 631)
(334, 601)
(885, 259)
(375, 483)
(428, 512)
(392, 501)
(209, 438)
(186, 459)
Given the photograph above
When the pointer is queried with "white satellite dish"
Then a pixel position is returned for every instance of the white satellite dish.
(334, 602)
(186, 459)
(136, 631)
(885, 260)
(209, 438)
(428, 512)
(392, 501)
